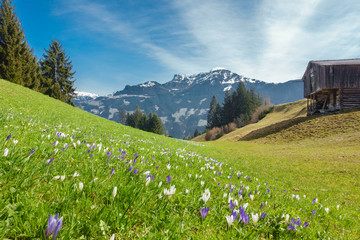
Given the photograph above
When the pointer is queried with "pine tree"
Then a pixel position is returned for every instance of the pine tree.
(57, 75)
(122, 116)
(17, 61)
(214, 114)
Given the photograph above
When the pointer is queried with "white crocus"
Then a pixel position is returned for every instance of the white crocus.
(245, 205)
(6, 152)
(327, 210)
(56, 177)
(252, 197)
(170, 191)
(114, 192)
(76, 175)
(62, 178)
(81, 186)
(112, 237)
(206, 195)
(187, 191)
(15, 141)
(230, 220)
(148, 180)
(287, 216)
(168, 166)
(202, 183)
(160, 183)
(255, 217)
(337, 207)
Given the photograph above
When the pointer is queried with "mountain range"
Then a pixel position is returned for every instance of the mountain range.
(183, 103)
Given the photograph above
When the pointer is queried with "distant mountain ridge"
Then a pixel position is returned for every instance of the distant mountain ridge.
(183, 103)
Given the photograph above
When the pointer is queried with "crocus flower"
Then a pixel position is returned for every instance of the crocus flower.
(114, 192)
(6, 152)
(326, 210)
(261, 205)
(136, 171)
(81, 186)
(255, 217)
(130, 168)
(313, 213)
(263, 215)
(168, 178)
(76, 175)
(112, 172)
(62, 178)
(49, 161)
(8, 137)
(31, 152)
(306, 224)
(231, 205)
(112, 237)
(54, 225)
(170, 191)
(204, 211)
(206, 195)
(314, 200)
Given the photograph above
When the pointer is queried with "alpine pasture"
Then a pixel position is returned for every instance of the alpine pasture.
(68, 174)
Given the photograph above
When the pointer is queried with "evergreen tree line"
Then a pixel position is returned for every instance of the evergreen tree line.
(150, 123)
(238, 107)
(52, 75)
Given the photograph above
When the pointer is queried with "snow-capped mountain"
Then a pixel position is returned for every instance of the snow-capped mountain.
(183, 103)
(85, 96)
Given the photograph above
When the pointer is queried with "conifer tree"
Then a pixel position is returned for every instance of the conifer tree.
(17, 61)
(57, 75)
(214, 114)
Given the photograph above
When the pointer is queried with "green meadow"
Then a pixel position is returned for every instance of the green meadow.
(285, 177)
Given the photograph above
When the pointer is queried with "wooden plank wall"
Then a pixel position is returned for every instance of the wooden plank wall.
(350, 98)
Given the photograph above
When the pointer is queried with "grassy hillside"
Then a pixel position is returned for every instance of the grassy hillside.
(106, 180)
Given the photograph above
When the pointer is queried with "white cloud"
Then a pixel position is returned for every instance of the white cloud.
(266, 40)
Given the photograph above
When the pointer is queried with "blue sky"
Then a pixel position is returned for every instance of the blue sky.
(126, 42)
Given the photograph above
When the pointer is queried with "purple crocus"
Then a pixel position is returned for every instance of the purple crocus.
(112, 172)
(168, 178)
(231, 205)
(50, 160)
(130, 168)
(8, 137)
(306, 224)
(32, 151)
(313, 213)
(136, 171)
(54, 225)
(314, 200)
(263, 215)
(261, 205)
(204, 211)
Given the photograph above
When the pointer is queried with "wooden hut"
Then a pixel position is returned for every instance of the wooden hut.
(332, 85)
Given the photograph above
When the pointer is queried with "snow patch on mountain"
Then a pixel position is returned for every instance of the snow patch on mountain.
(202, 123)
(163, 119)
(190, 112)
(112, 111)
(227, 88)
(128, 95)
(203, 111)
(86, 94)
(126, 102)
(202, 100)
(147, 84)
(156, 107)
(180, 113)
(94, 111)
